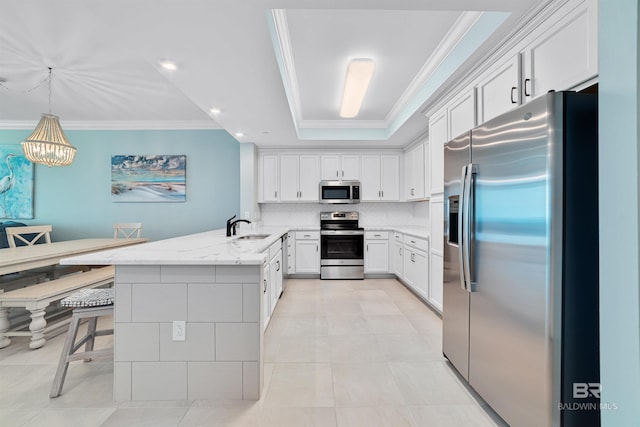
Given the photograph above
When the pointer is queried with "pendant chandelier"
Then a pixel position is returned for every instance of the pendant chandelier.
(48, 144)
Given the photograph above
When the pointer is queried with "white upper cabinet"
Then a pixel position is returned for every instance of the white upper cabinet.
(415, 173)
(299, 178)
(341, 167)
(462, 113)
(438, 136)
(562, 54)
(380, 178)
(499, 90)
(269, 179)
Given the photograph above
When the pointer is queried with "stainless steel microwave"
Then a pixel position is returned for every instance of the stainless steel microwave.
(339, 192)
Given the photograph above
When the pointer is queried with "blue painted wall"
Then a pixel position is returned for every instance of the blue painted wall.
(76, 199)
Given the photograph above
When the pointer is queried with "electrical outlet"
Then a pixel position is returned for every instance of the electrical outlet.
(179, 330)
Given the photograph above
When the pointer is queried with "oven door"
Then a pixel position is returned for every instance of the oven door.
(341, 247)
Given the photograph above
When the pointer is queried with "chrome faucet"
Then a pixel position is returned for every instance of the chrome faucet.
(231, 225)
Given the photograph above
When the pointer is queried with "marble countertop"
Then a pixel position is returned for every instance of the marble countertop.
(207, 248)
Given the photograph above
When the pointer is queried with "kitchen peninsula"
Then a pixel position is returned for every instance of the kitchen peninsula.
(188, 316)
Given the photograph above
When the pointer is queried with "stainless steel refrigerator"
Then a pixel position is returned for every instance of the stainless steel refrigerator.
(520, 314)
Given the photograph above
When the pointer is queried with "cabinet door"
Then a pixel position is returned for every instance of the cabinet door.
(330, 167)
(421, 261)
(289, 190)
(437, 226)
(435, 282)
(291, 253)
(350, 165)
(279, 275)
(398, 267)
(499, 91)
(273, 291)
(370, 182)
(409, 266)
(309, 178)
(462, 114)
(266, 297)
(437, 138)
(308, 256)
(269, 178)
(376, 257)
(390, 177)
(414, 173)
(565, 54)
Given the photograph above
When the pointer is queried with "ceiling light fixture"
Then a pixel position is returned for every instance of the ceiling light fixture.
(239, 134)
(168, 65)
(215, 111)
(359, 74)
(48, 144)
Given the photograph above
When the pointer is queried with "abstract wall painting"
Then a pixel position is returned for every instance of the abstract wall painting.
(148, 178)
(16, 183)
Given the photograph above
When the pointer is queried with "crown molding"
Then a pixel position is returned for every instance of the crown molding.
(119, 125)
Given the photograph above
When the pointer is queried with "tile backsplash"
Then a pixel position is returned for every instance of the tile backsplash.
(371, 214)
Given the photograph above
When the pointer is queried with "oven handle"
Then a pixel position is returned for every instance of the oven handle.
(341, 232)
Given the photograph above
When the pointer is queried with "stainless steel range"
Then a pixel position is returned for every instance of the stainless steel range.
(341, 246)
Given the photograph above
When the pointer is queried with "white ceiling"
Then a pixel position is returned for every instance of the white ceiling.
(274, 67)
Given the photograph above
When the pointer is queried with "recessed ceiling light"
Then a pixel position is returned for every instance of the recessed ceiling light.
(168, 65)
(359, 74)
(239, 134)
(215, 111)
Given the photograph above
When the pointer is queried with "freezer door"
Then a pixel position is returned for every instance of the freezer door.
(510, 342)
(455, 311)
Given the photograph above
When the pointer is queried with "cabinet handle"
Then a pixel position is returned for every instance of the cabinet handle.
(377, 235)
(513, 91)
(413, 257)
(382, 192)
(343, 174)
(278, 263)
(400, 251)
(367, 247)
(413, 241)
(275, 194)
(316, 248)
(412, 191)
(307, 235)
(527, 89)
(264, 281)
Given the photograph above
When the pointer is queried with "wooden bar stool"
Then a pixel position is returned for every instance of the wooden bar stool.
(91, 304)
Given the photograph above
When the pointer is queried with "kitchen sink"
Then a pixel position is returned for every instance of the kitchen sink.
(253, 237)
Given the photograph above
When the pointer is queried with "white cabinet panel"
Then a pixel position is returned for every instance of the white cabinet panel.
(266, 297)
(350, 167)
(396, 257)
(415, 173)
(435, 283)
(499, 91)
(376, 256)
(390, 177)
(437, 227)
(307, 256)
(565, 53)
(370, 182)
(269, 188)
(299, 178)
(330, 167)
(289, 178)
(380, 178)
(462, 114)
(309, 171)
(416, 270)
(438, 136)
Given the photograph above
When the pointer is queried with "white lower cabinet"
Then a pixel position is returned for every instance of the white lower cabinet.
(376, 254)
(416, 270)
(266, 296)
(397, 259)
(271, 281)
(307, 253)
(291, 253)
(435, 282)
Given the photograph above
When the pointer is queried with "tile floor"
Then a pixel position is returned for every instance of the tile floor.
(337, 353)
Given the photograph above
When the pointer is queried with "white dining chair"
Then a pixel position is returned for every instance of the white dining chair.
(127, 230)
(29, 235)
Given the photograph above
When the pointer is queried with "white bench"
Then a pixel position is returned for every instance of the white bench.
(36, 298)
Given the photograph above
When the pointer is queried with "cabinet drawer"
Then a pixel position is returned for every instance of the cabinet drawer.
(307, 235)
(416, 242)
(376, 235)
(274, 249)
(397, 237)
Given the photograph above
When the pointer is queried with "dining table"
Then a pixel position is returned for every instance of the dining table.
(22, 258)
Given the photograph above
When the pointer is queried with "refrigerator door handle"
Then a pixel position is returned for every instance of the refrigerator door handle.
(461, 221)
(468, 264)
